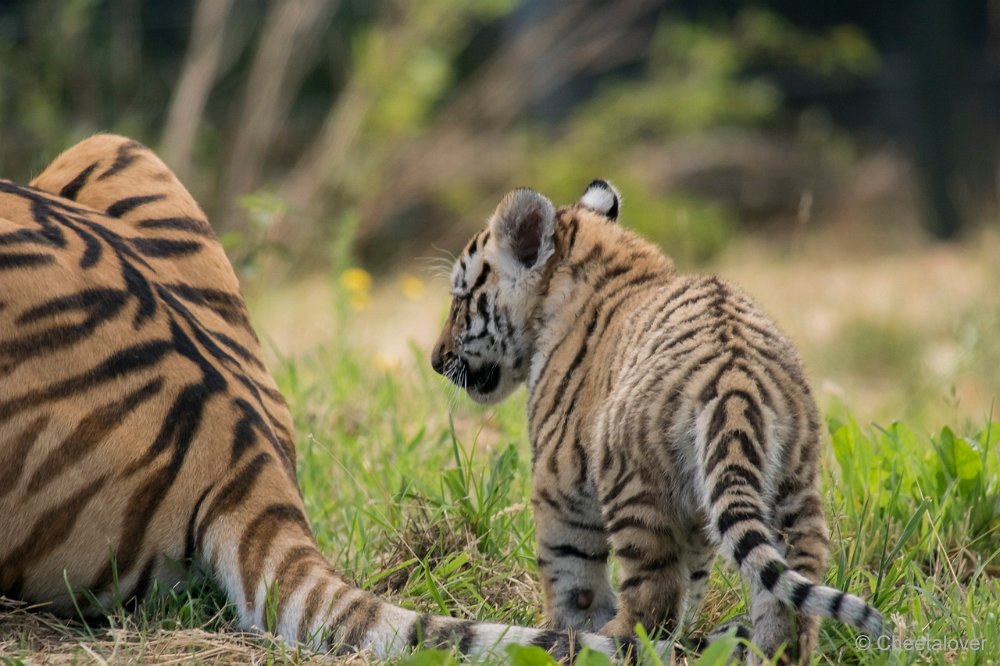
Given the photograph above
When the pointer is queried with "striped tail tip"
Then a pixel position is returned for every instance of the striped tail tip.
(809, 597)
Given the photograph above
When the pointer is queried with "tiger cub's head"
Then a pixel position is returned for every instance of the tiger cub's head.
(496, 285)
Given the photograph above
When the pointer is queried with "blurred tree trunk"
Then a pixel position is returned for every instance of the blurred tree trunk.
(201, 69)
(939, 132)
(293, 31)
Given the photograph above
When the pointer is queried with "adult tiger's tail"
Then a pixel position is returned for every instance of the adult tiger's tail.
(277, 578)
(735, 441)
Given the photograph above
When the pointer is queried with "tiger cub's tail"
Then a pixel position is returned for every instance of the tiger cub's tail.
(733, 445)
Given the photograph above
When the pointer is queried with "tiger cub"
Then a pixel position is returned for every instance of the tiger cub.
(669, 419)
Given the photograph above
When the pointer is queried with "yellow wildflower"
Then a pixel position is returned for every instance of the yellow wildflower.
(357, 282)
(411, 287)
(386, 363)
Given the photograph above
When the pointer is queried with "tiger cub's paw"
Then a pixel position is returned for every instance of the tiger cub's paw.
(584, 610)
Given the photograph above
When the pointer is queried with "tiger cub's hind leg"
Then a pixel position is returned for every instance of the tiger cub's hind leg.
(572, 557)
(698, 554)
(646, 540)
(652, 582)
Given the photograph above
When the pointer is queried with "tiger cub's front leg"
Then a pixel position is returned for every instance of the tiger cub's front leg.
(572, 556)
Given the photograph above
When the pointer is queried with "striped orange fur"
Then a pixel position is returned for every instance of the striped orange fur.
(141, 433)
(669, 420)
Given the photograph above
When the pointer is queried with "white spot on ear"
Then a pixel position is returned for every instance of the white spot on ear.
(601, 197)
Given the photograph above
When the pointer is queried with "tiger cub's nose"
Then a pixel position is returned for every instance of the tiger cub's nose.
(438, 358)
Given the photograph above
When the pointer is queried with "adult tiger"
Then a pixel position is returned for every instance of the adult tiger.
(669, 419)
(139, 428)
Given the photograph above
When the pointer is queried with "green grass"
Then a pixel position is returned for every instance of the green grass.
(433, 511)
(421, 496)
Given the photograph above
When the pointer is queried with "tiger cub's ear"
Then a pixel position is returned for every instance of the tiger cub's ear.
(523, 225)
(602, 197)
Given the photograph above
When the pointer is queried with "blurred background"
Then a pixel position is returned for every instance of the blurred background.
(839, 160)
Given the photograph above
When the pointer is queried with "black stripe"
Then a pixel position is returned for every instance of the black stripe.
(609, 275)
(189, 224)
(574, 226)
(632, 522)
(835, 604)
(112, 368)
(576, 524)
(645, 498)
(362, 614)
(545, 497)
(734, 475)
(711, 389)
(556, 643)
(481, 278)
(254, 547)
(91, 431)
(418, 630)
(139, 287)
(665, 562)
(719, 453)
(142, 584)
(189, 532)
(244, 437)
(231, 496)
(747, 544)
(719, 413)
(568, 550)
(128, 204)
(50, 530)
(286, 455)
(676, 340)
(770, 573)
(468, 637)
(619, 486)
(127, 153)
(630, 552)
(13, 260)
(748, 448)
(227, 305)
(165, 247)
(105, 301)
(801, 593)
(789, 520)
(633, 581)
(245, 354)
(728, 519)
(73, 187)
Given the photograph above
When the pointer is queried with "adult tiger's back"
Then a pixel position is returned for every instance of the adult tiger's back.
(139, 429)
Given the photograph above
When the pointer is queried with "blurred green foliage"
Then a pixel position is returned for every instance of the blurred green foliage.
(698, 78)
(410, 115)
